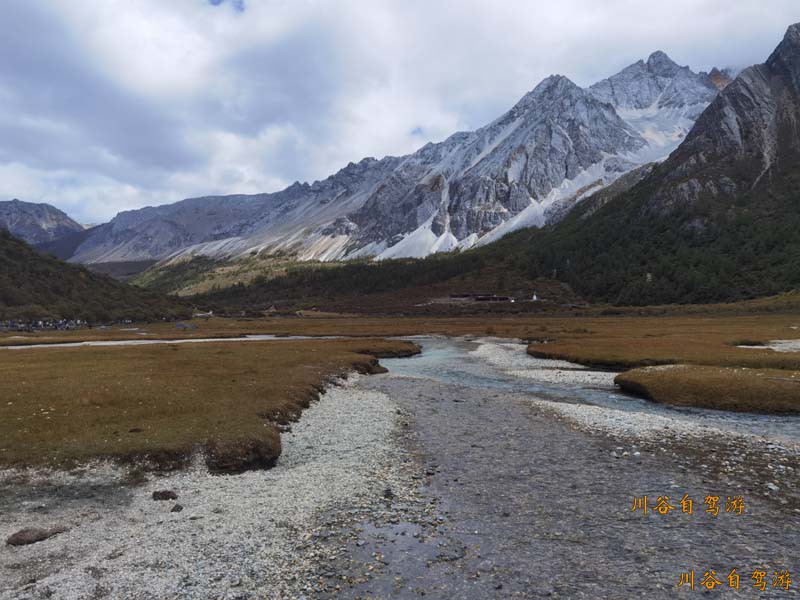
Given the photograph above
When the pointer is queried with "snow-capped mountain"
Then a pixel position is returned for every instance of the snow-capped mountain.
(557, 145)
(746, 141)
(35, 223)
(659, 99)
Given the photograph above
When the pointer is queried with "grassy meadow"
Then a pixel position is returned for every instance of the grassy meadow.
(723, 388)
(159, 403)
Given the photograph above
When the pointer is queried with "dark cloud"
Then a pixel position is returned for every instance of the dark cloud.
(294, 80)
(238, 5)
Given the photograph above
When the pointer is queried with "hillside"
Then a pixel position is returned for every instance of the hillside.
(34, 285)
(64, 247)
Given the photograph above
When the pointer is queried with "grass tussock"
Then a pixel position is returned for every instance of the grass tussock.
(710, 369)
(161, 403)
(745, 390)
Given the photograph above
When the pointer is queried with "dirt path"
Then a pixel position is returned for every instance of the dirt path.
(518, 503)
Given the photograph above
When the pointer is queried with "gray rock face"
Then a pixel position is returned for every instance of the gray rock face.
(532, 164)
(155, 232)
(750, 132)
(475, 181)
(659, 81)
(35, 223)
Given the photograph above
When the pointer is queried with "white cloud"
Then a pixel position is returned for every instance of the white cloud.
(110, 104)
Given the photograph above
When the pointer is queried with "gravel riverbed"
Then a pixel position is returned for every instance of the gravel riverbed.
(243, 536)
(529, 504)
(468, 472)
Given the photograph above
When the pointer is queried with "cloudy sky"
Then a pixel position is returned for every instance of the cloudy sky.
(107, 105)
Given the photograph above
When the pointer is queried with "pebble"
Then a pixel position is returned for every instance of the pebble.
(164, 495)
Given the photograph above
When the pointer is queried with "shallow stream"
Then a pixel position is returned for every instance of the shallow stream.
(500, 365)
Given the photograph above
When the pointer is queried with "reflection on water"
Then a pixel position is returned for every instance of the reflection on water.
(502, 366)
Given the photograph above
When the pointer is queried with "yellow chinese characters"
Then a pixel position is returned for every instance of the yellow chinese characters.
(663, 507)
(780, 580)
(734, 580)
(713, 505)
(639, 504)
(710, 581)
(758, 578)
(733, 504)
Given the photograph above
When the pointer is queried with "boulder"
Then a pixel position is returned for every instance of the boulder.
(31, 535)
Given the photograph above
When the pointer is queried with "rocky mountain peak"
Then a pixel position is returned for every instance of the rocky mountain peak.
(35, 223)
(747, 139)
(555, 82)
(297, 186)
(658, 83)
(662, 65)
(554, 86)
(792, 34)
(786, 57)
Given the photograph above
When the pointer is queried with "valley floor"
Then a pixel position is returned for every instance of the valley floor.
(470, 471)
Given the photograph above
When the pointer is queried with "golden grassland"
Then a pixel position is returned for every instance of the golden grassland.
(723, 388)
(712, 371)
(159, 403)
(224, 274)
(257, 375)
(566, 332)
(628, 342)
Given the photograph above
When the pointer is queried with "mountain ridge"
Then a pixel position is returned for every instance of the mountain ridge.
(36, 223)
(717, 221)
(525, 168)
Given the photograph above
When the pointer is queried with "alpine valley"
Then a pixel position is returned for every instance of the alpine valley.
(456, 374)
